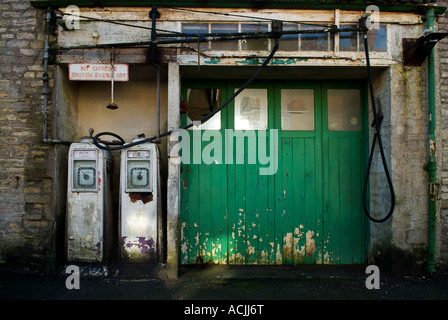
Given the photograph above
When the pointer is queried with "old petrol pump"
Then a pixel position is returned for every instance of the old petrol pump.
(89, 230)
(139, 203)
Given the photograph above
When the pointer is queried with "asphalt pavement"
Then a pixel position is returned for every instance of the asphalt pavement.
(245, 290)
(223, 282)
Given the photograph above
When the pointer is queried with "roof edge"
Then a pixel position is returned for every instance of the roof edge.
(258, 4)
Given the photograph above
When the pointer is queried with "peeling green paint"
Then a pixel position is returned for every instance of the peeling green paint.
(213, 61)
(288, 61)
(250, 61)
(277, 61)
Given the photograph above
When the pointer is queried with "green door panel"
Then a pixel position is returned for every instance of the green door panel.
(310, 210)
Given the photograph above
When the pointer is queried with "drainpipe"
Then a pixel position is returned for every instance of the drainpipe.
(46, 87)
(432, 164)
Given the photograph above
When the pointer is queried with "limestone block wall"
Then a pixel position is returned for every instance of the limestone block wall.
(26, 218)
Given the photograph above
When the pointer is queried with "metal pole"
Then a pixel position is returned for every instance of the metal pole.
(432, 164)
(158, 103)
(45, 79)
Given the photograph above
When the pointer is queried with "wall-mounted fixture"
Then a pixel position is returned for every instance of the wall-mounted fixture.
(415, 51)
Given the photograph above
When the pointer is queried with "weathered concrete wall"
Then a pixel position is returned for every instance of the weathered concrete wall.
(402, 92)
(26, 218)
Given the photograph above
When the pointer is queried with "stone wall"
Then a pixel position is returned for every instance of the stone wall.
(26, 223)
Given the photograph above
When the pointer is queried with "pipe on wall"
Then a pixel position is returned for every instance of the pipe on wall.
(432, 164)
(46, 86)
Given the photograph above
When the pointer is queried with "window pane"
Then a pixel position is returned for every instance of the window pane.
(194, 30)
(377, 39)
(254, 44)
(224, 28)
(344, 110)
(289, 42)
(297, 109)
(200, 103)
(251, 110)
(348, 41)
(315, 41)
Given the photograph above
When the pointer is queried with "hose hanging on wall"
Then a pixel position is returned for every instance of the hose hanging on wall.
(205, 118)
(377, 136)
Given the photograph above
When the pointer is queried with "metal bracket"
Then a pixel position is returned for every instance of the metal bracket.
(379, 113)
(415, 51)
(153, 53)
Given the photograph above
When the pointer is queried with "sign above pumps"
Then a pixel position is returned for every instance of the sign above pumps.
(98, 72)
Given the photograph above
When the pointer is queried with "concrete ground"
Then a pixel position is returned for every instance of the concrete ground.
(221, 282)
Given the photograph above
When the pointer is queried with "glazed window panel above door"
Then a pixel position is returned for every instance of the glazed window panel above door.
(297, 109)
(200, 103)
(344, 110)
(251, 110)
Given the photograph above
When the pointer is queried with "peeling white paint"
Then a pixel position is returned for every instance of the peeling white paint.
(278, 254)
(250, 248)
(197, 238)
(184, 247)
(310, 243)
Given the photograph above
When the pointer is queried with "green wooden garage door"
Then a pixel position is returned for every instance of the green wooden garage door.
(307, 208)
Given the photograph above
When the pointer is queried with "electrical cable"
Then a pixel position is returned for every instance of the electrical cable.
(171, 33)
(206, 117)
(377, 136)
(174, 33)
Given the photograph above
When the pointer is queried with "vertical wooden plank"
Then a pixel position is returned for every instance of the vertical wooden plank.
(271, 215)
(312, 231)
(240, 213)
(205, 210)
(193, 210)
(215, 183)
(318, 188)
(185, 226)
(264, 222)
(286, 201)
(346, 186)
(298, 196)
(251, 212)
(334, 198)
(357, 213)
(231, 228)
(218, 221)
(231, 185)
(325, 250)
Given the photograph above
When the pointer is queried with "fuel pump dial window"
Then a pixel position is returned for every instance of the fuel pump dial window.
(139, 175)
(84, 175)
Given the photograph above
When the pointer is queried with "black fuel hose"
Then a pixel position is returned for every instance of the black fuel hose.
(206, 117)
(376, 137)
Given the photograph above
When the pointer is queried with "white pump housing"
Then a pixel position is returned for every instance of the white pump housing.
(89, 208)
(139, 203)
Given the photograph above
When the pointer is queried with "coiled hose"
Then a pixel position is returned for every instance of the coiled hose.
(376, 137)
